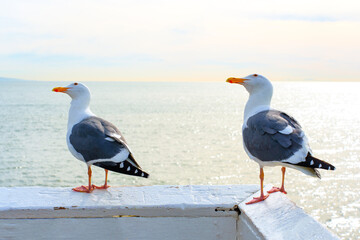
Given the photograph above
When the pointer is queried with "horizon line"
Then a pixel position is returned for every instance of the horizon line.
(295, 80)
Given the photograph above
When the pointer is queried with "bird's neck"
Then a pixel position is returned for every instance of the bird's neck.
(79, 110)
(259, 100)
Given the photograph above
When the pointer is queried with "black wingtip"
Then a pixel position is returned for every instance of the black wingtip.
(124, 167)
(314, 162)
(140, 173)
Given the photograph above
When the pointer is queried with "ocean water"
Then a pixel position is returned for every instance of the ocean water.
(188, 133)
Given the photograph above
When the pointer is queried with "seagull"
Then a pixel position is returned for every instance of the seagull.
(272, 137)
(94, 140)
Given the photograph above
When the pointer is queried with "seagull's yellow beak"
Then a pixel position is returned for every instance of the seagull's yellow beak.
(60, 89)
(236, 80)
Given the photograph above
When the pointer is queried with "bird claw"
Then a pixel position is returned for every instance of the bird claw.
(105, 186)
(258, 199)
(276, 189)
(84, 189)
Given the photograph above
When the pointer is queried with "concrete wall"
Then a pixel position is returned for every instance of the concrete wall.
(152, 212)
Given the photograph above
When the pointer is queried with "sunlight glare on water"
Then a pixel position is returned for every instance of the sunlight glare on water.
(188, 133)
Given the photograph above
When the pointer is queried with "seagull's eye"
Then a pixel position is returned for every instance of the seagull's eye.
(255, 75)
(75, 83)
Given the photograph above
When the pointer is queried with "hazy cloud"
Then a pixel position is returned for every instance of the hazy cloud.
(180, 40)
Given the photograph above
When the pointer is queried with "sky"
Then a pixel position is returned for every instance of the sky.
(186, 40)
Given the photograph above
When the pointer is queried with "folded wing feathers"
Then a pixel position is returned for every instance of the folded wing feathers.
(113, 133)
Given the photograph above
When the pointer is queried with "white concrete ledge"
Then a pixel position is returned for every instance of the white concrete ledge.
(278, 218)
(153, 212)
(147, 201)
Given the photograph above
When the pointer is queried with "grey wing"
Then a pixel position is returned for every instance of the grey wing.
(89, 138)
(112, 132)
(272, 136)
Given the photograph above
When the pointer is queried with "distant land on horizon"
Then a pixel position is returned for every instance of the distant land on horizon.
(12, 79)
(28, 80)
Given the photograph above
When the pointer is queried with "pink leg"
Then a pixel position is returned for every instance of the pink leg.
(282, 189)
(87, 189)
(262, 196)
(105, 186)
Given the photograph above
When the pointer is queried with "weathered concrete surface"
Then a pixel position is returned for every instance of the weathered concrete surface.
(147, 201)
(153, 212)
(279, 218)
